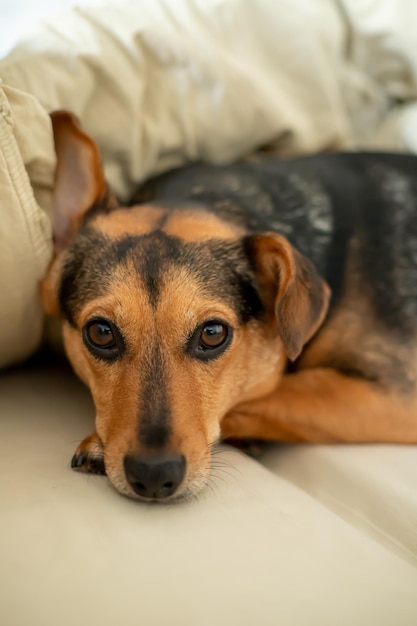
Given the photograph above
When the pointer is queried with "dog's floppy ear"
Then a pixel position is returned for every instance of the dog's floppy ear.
(79, 178)
(79, 185)
(292, 287)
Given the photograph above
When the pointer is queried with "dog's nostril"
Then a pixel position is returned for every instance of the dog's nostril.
(155, 477)
(139, 488)
(167, 489)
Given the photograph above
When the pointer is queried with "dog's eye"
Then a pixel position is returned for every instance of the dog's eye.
(212, 335)
(102, 339)
(209, 340)
(100, 334)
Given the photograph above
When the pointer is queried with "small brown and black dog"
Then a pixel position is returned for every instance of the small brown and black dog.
(202, 311)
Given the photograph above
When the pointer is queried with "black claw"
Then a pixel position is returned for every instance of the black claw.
(89, 464)
(78, 460)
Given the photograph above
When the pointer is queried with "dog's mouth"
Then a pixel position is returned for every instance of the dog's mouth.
(185, 496)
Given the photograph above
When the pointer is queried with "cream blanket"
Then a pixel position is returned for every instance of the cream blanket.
(160, 82)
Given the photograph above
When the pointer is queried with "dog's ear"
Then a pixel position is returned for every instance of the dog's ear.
(79, 178)
(291, 287)
(79, 185)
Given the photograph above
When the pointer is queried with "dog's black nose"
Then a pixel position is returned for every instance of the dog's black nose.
(155, 477)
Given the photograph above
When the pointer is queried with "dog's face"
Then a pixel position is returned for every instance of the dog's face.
(172, 317)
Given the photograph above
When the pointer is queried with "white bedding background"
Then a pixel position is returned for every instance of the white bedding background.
(18, 17)
(158, 83)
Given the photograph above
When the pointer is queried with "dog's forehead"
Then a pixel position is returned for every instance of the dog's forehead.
(152, 254)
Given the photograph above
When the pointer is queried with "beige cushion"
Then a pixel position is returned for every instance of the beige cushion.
(372, 487)
(252, 549)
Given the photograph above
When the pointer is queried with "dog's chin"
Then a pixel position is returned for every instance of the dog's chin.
(190, 490)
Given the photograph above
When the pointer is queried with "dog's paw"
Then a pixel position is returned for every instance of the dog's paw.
(89, 456)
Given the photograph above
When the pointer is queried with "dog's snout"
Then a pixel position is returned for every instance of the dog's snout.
(155, 477)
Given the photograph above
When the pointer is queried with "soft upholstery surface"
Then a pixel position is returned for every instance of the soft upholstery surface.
(371, 487)
(253, 549)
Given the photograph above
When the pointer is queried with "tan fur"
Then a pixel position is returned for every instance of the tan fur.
(190, 226)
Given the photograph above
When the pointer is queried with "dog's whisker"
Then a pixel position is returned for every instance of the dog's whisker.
(223, 474)
(210, 486)
(213, 481)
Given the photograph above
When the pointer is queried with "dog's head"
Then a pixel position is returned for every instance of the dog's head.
(171, 316)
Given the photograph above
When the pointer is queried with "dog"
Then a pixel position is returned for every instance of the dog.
(269, 299)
